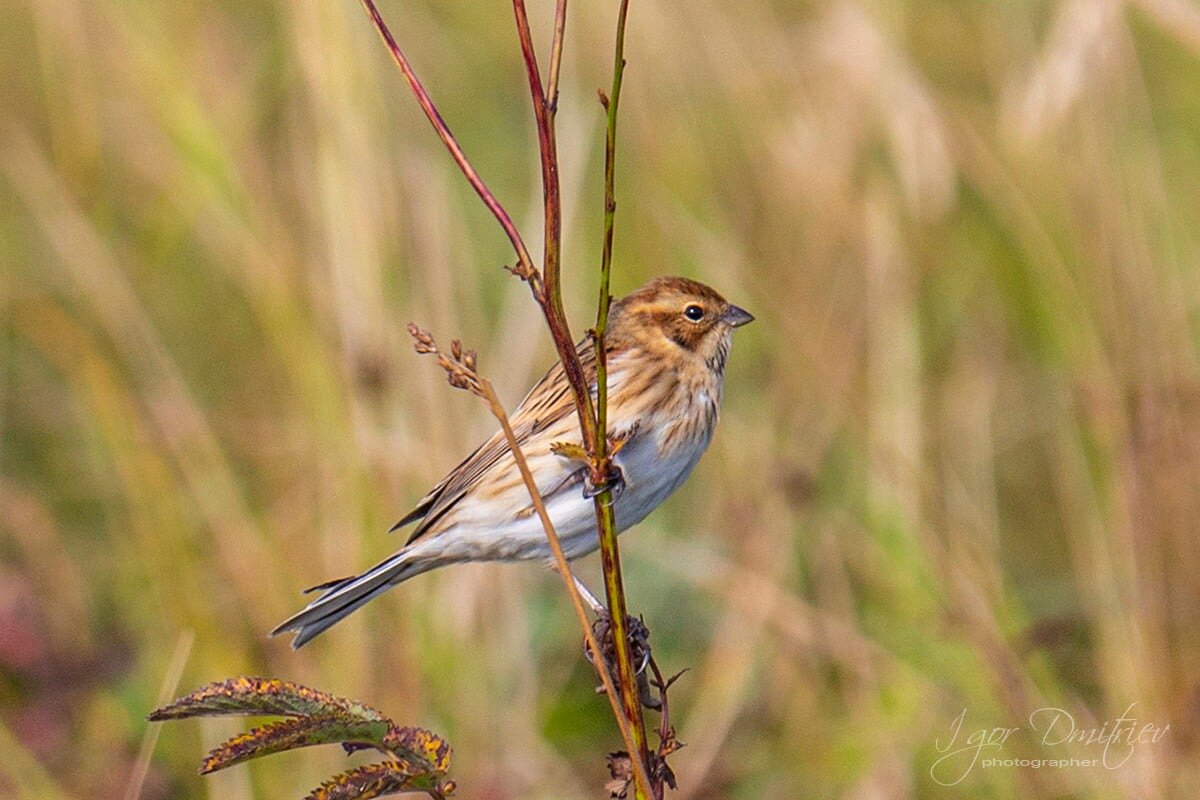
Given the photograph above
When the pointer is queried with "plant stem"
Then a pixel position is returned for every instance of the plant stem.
(548, 148)
(546, 288)
(550, 298)
(556, 48)
(564, 569)
(525, 266)
(593, 428)
(602, 461)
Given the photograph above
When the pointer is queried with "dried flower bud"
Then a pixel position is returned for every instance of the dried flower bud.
(620, 767)
(423, 342)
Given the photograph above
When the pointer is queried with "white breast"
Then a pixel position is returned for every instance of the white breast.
(652, 473)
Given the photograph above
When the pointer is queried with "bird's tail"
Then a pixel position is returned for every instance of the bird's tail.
(342, 597)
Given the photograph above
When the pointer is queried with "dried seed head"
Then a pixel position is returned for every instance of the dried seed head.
(459, 364)
(422, 341)
(620, 768)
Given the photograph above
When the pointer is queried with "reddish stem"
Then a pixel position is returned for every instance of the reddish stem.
(525, 265)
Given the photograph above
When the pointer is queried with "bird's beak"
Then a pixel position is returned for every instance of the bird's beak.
(736, 317)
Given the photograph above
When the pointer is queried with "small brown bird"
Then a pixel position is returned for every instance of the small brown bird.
(667, 344)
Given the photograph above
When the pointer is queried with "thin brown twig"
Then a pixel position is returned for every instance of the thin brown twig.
(556, 49)
(665, 731)
(667, 741)
(550, 298)
(548, 148)
(545, 291)
(525, 267)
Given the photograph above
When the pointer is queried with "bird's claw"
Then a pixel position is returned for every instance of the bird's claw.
(614, 482)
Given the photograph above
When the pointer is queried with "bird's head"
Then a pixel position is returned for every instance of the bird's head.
(677, 316)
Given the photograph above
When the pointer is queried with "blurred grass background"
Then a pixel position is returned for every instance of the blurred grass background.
(959, 458)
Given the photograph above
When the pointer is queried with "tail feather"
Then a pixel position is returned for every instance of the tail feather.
(343, 597)
(309, 627)
(327, 585)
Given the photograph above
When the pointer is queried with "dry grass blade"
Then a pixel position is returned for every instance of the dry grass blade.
(170, 683)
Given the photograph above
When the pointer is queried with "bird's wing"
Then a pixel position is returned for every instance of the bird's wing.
(548, 402)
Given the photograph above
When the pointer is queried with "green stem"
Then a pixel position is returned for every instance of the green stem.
(601, 459)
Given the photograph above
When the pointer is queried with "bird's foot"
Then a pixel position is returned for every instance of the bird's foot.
(614, 481)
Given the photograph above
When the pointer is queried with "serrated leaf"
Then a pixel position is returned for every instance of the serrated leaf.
(314, 717)
(420, 745)
(376, 780)
(568, 450)
(290, 734)
(248, 696)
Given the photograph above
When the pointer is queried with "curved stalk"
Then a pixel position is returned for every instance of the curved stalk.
(525, 265)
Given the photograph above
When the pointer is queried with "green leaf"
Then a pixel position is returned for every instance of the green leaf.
(249, 696)
(290, 734)
(569, 450)
(316, 717)
(420, 757)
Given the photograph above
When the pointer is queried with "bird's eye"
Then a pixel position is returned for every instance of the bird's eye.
(694, 312)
